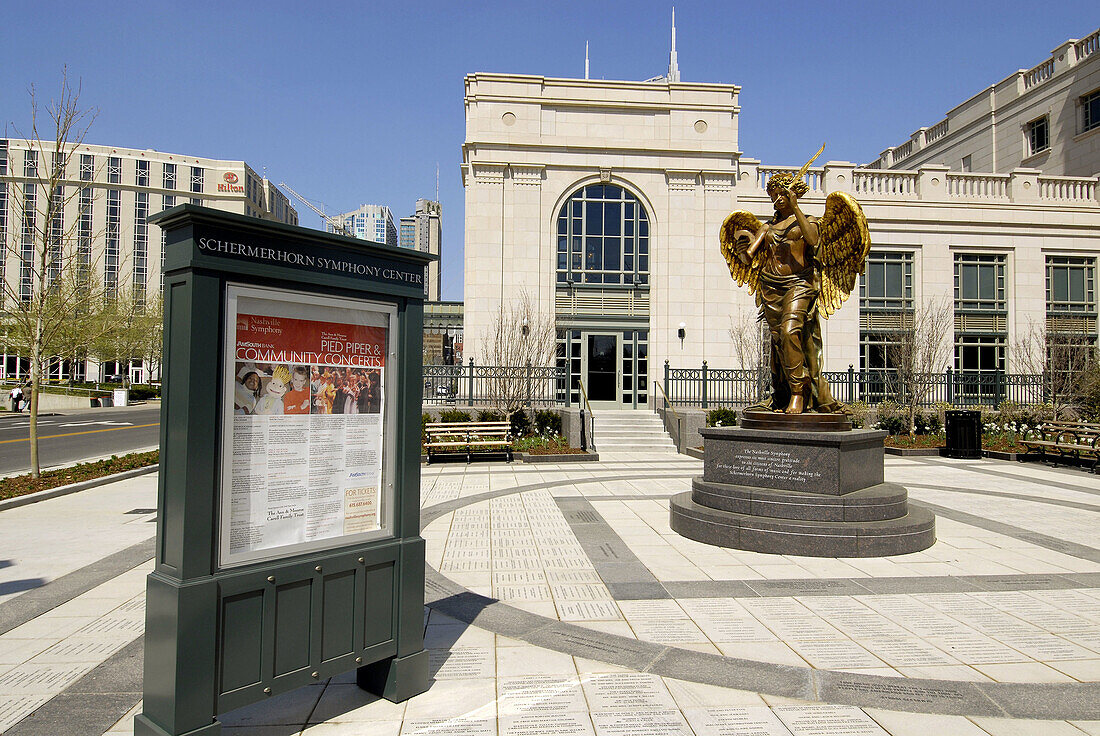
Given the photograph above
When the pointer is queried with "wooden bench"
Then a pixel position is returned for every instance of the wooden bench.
(1055, 440)
(468, 438)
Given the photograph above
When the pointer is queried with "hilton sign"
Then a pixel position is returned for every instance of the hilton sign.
(231, 184)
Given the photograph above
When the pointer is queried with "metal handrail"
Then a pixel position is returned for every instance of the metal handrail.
(591, 414)
(668, 404)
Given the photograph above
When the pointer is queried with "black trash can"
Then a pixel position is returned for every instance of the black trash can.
(964, 434)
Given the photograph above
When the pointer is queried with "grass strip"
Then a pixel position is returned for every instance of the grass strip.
(21, 485)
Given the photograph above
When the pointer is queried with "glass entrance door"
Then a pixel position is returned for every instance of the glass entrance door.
(602, 380)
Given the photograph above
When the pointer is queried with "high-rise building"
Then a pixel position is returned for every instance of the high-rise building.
(372, 222)
(108, 194)
(407, 235)
(428, 238)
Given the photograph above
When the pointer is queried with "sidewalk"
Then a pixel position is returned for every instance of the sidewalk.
(559, 602)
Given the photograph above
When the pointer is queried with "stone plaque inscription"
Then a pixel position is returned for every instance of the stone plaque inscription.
(783, 468)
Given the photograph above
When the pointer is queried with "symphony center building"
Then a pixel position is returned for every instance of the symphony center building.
(600, 202)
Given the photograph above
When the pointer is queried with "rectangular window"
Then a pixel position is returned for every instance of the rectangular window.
(3, 156)
(1090, 111)
(29, 230)
(980, 353)
(30, 163)
(196, 179)
(141, 176)
(979, 282)
(141, 245)
(84, 230)
(1038, 135)
(111, 241)
(887, 282)
(56, 235)
(169, 179)
(1071, 284)
(3, 234)
(967, 165)
(114, 170)
(87, 167)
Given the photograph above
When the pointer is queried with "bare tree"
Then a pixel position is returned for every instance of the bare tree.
(918, 350)
(750, 340)
(521, 339)
(1061, 358)
(50, 292)
(752, 346)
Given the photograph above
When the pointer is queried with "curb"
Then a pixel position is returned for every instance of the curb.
(914, 451)
(694, 452)
(573, 457)
(11, 503)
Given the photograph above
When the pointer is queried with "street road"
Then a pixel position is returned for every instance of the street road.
(68, 438)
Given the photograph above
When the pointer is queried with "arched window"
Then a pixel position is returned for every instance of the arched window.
(603, 237)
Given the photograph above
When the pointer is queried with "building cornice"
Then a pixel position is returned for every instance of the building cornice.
(618, 84)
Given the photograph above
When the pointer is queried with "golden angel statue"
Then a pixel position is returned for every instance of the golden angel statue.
(799, 268)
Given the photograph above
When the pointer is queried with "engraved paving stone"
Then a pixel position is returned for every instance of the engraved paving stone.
(730, 721)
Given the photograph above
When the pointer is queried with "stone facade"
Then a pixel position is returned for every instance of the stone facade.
(532, 143)
(992, 131)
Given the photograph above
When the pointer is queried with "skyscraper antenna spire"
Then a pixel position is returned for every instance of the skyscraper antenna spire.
(586, 59)
(673, 67)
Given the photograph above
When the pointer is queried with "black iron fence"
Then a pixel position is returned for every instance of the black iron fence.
(707, 387)
(495, 385)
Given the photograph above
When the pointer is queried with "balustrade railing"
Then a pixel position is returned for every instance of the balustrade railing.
(977, 186)
(1039, 74)
(1086, 46)
(875, 183)
(1066, 189)
(939, 130)
(813, 177)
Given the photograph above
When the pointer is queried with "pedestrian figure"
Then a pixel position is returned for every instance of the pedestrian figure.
(16, 398)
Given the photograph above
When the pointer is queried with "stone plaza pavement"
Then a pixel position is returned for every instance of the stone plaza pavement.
(559, 602)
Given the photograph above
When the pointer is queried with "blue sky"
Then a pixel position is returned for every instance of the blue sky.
(353, 103)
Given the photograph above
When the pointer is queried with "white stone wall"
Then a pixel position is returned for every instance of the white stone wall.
(990, 126)
(644, 138)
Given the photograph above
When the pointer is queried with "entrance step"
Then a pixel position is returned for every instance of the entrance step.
(619, 431)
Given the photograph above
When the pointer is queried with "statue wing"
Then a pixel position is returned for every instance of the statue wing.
(842, 251)
(736, 234)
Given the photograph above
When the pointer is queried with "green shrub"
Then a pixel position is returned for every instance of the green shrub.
(722, 418)
(521, 424)
(454, 415)
(857, 413)
(547, 423)
(891, 418)
(140, 392)
(425, 420)
(488, 415)
(927, 423)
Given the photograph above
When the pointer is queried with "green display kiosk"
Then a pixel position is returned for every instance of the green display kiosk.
(288, 546)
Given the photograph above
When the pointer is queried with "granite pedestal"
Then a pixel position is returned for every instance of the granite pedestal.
(810, 493)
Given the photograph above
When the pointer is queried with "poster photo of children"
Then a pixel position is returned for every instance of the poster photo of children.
(341, 390)
(265, 389)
